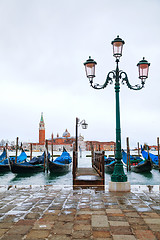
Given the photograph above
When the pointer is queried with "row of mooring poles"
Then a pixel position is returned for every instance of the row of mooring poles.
(128, 153)
(46, 160)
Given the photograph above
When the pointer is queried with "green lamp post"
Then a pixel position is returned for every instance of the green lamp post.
(118, 175)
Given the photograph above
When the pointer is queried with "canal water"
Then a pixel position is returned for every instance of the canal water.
(9, 178)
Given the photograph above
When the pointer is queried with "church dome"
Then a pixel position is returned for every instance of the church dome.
(66, 134)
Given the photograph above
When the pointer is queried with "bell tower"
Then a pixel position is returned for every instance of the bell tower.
(41, 130)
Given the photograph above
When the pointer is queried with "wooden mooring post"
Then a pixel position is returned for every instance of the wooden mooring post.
(138, 149)
(52, 147)
(6, 150)
(30, 151)
(47, 162)
(74, 168)
(16, 149)
(128, 156)
(44, 164)
(92, 152)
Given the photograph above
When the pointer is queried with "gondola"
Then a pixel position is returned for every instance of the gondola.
(3, 155)
(153, 157)
(138, 165)
(36, 164)
(109, 164)
(5, 164)
(61, 164)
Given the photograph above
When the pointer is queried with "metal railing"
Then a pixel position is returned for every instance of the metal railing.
(98, 163)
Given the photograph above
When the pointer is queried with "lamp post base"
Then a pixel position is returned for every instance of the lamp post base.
(118, 173)
(119, 187)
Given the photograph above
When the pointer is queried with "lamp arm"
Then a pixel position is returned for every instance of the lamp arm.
(108, 80)
(125, 80)
(81, 122)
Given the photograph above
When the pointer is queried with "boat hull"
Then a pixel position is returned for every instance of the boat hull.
(19, 168)
(155, 166)
(153, 157)
(109, 168)
(59, 168)
(4, 168)
(143, 167)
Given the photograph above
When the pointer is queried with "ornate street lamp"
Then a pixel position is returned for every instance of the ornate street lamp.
(84, 126)
(118, 177)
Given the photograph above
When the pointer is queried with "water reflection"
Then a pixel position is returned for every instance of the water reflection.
(147, 175)
(51, 176)
(22, 176)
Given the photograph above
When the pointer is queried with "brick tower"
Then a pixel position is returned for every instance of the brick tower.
(41, 131)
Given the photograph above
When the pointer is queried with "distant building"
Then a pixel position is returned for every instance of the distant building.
(58, 142)
(68, 141)
(100, 146)
(41, 131)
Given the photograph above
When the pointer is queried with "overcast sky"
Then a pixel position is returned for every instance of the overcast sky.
(43, 45)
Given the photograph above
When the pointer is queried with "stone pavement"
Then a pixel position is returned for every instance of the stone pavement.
(59, 212)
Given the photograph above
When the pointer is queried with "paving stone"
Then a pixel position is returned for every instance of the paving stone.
(61, 231)
(5, 225)
(7, 208)
(132, 214)
(85, 213)
(98, 213)
(59, 237)
(66, 218)
(16, 237)
(154, 227)
(150, 215)
(145, 235)
(139, 221)
(48, 218)
(118, 223)
(53, 212)
(114, 211)
(157, 234)
(2, 231)
(152, 221)
(19, 230)
(9, 219)
(26, 222)
(139, 227)
(124, 237)
(43, 226)
(100, 238)
(82, 227)
(63, 225)
(32, 216)
(81, 234)
(84, 222)
(101, 234)
(83, 216)
(99, 221)
(116, 218)
(119, 230)
(37, 234)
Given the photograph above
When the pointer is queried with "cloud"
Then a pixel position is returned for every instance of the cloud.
(43, 46)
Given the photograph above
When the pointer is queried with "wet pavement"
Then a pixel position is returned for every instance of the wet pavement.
(59, 212)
